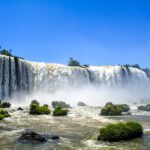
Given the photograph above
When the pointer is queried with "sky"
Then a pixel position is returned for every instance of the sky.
(94, 32)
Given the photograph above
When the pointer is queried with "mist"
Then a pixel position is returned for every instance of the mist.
(90, 95)
(24, 81)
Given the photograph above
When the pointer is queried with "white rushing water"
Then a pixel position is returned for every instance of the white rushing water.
(93, 85)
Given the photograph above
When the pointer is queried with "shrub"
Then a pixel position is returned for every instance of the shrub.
(36, 109)
(121, 131)
(45, 105)
(60, 112)
(124, 107)
(6, 52)
(5, 105)
(73, 62)
(81, 104)
(35, 102)
(4, 114)
(1, 117)
(60, 104)
(144, 108)
(113, 110)
(85, 66)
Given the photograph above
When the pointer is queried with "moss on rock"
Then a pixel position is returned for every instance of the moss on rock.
(121, 131)
(36, 109)
(60, 112)
(111, 109)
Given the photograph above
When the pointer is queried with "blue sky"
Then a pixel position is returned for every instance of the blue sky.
(95, 32)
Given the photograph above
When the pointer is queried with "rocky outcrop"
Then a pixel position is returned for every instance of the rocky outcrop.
(31, 136)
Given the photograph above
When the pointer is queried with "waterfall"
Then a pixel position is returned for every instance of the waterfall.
(15, 76)
(22, 77)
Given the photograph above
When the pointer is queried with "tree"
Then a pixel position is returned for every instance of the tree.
(73, 62)
(5, 52)
(8, 53)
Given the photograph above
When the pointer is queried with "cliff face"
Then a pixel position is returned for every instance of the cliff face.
(16, 75)
(23, 77)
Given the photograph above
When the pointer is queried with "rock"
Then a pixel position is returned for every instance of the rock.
(60, 111)
(144, 107)
(126, 113)
(60, 104)
(81, 104)
(5, 105)
(111, 109)
(36, 109)
(30, 136)
(19, 108)
(121, 131)
(52, 137)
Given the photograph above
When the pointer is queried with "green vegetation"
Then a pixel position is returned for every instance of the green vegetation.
(36, 109)
(7, 52)
(73, 62)
(124, 107)
(4, 104)
(60, 104)
(1, 117)
(81, 104)
(121, 131)
(144, 108)
(4, 114)
(85, 66)
(113, 110)
(60, 112)
(35, 102)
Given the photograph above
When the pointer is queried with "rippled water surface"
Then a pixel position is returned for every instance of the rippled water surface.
(75, 130)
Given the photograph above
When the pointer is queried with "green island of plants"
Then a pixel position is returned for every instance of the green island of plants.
(121, 131)
(60, 112)
(4, 104)
(144, 108)
(111, 109)
(60, 104)
(4, 114)
(36, 109)
(8, 53)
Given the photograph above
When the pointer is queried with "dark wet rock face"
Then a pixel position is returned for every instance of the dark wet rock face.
(30, 136)
(20, 108)
(81, 104)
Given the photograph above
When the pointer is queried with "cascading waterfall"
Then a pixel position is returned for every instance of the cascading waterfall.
(16, 76)
(21, 77)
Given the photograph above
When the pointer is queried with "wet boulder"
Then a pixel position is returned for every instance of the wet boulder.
(60, 111)
(144, 107)
(111, 109)
(60, 104)
(20, 108)
(4, 104)
(36, 109)
(31, 136)
(81, 104)
(4, 114)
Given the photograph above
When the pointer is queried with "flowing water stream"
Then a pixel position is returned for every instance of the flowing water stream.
(22, 80)
(75, 130)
